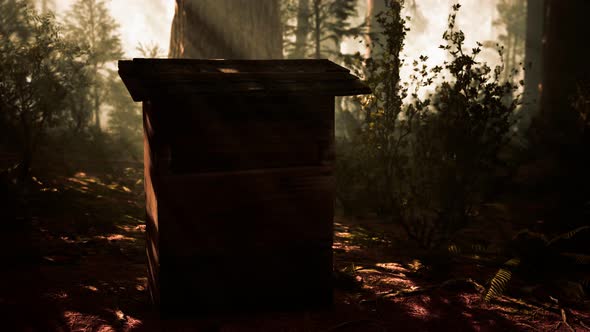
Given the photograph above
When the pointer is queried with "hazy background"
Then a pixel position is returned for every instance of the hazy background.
(150, 21)
(142, 21)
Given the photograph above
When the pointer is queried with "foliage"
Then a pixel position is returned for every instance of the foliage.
(89, 24)
(36, 66)
(53, 85)
(426, 163)
(560, 263)
(315, 28)
(513, 15)
(581, 105)
(151, 50)
(125, 122)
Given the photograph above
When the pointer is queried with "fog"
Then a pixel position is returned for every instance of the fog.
(149, 22)
(428, 21)
(141, 21)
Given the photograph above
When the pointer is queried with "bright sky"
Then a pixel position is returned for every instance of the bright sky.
(475, 19)
(142, 21)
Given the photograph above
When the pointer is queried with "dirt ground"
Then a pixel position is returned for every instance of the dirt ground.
(74, 260)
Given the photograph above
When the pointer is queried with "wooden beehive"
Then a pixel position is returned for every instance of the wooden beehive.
(239, 183)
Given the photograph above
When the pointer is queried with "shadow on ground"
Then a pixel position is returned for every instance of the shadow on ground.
(74, 260)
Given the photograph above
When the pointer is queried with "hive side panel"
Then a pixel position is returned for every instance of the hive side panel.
(223, 213)
(238, 133)
(151, 197)
(244, 190)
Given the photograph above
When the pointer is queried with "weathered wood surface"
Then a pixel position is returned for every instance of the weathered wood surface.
(208, 216)
(147, 79)
(263, 210)
(239, 186)
(237, 133)
(192, 66)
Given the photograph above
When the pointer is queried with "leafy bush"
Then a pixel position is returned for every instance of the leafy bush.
(560, 264)
(36, 66)
(426, 163)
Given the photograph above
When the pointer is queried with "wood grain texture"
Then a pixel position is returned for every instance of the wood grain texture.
(246, 210)
(237, 133)
(147, 79)
(239, 185)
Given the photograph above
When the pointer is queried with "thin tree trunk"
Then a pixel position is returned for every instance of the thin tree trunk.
(302, 31)
(374, 7)
(96, 89)
(533, 61)
(27, 152)
(317, 29)
(96, 100)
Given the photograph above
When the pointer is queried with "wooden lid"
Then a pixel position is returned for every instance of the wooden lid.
(149, 78)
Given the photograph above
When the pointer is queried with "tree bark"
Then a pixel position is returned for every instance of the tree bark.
(96, 102)
(27, 150)
(533, 61)
(565, 66)
(226, 29)
(374, 7)
(317, 29)
(302, 31)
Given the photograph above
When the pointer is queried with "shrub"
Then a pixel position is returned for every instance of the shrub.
(426, 163)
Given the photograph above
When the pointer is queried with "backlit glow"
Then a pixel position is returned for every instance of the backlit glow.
(141, 21)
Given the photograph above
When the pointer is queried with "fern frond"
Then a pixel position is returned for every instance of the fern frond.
(501, 279)
(454, 249)
(569, 235)
(528, 234)
(480, 248)
(578, 259)
(472, 249)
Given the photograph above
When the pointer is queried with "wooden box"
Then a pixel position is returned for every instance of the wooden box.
(239, 180)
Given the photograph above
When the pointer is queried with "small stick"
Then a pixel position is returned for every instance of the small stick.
(564, 320)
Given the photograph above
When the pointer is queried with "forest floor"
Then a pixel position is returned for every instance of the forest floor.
(91, 272)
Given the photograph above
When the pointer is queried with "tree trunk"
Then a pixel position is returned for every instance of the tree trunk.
(556, 128)
(96, 101)
(302, 31)
(27, 149)
(374, 7)
(226, 29)
(533, 61)
(317, 29)
(565, 66)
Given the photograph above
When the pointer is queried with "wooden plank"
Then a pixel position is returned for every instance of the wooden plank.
(152, 221)
(174, 89)
(220, 212)
(232, 77)
(239, 177)
(212, 65)
(209, 134)
(147, 78)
